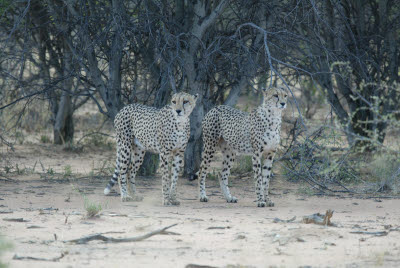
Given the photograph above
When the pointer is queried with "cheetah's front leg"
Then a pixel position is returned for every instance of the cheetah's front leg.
(137, 155)
(166, 180)
(266, 176)
(256, 159)
(164, 177)
(176, 165)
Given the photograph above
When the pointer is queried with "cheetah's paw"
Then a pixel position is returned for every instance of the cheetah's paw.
(137, 198)
(269, 203)
(203, 198)
(232, 199)
(127, 198)
(261, 204)
(171, 202)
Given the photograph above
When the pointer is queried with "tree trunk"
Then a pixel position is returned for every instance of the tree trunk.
(151, 160)
(195, 144)
(64, 126)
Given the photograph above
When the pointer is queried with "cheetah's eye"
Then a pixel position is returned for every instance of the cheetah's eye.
(174, 102)
(276, 96)
(285, 96)
(185, 102)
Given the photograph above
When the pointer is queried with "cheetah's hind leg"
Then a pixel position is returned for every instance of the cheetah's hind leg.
(137, 155)
(124, 150)
(227, 162)
(208, 154)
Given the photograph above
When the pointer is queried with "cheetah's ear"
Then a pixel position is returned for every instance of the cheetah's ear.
(265, 91)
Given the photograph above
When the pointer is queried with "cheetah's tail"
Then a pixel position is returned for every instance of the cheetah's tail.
(111, 183)
(194, 176)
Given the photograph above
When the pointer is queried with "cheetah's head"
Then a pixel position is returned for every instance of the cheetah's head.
(183, 103)
(275, 97)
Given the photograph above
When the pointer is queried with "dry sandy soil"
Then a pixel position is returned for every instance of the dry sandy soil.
(215, 234)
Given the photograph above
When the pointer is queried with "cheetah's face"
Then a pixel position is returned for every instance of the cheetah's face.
(275, 97)
(183, 103)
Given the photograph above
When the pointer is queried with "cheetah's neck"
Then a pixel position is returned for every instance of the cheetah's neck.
(271, 112)
(181, 121)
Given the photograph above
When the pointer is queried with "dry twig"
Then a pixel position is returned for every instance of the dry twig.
(218, 227)
(15, 219)
(28, 258)
(380, 233)
(276, 220)
(106, 239)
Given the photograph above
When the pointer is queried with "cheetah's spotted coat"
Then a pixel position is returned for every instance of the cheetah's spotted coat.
(141, 128)
(234, 131)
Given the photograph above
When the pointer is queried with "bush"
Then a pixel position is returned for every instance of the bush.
(385, 170)
(73, 148)
(322, 160)
(67, 171)
(92, 209)
(4, 246)
(99, 141)
(243, 164)
(45, 139)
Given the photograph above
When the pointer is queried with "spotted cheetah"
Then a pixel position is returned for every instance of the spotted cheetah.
(165, 131)
(234, 131)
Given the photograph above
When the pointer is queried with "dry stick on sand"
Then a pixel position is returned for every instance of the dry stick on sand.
(106, 239)
(276, 220)
(15, 219)
(28, 258)
(379, 233)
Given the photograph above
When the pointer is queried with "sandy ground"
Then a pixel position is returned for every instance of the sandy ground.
(215, 234)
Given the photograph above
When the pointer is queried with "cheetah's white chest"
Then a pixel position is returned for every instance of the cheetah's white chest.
(180, 139)
(271, 140)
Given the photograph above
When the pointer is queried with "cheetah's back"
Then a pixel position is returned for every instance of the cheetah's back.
(138, 122)
(230, 124)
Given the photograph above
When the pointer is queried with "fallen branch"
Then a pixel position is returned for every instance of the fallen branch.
(6, 211)
(169, 233)
(276, 220)
(106, 239)
(381, 197)
(15, 219)
(192, 265)
(380, 233)
(28, 258)
(218, 227)
(7, 179)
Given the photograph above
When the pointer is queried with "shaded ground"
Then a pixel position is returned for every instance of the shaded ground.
(214, 233)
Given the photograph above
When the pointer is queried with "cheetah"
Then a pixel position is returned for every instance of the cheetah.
(165, 131)
(233, 131)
